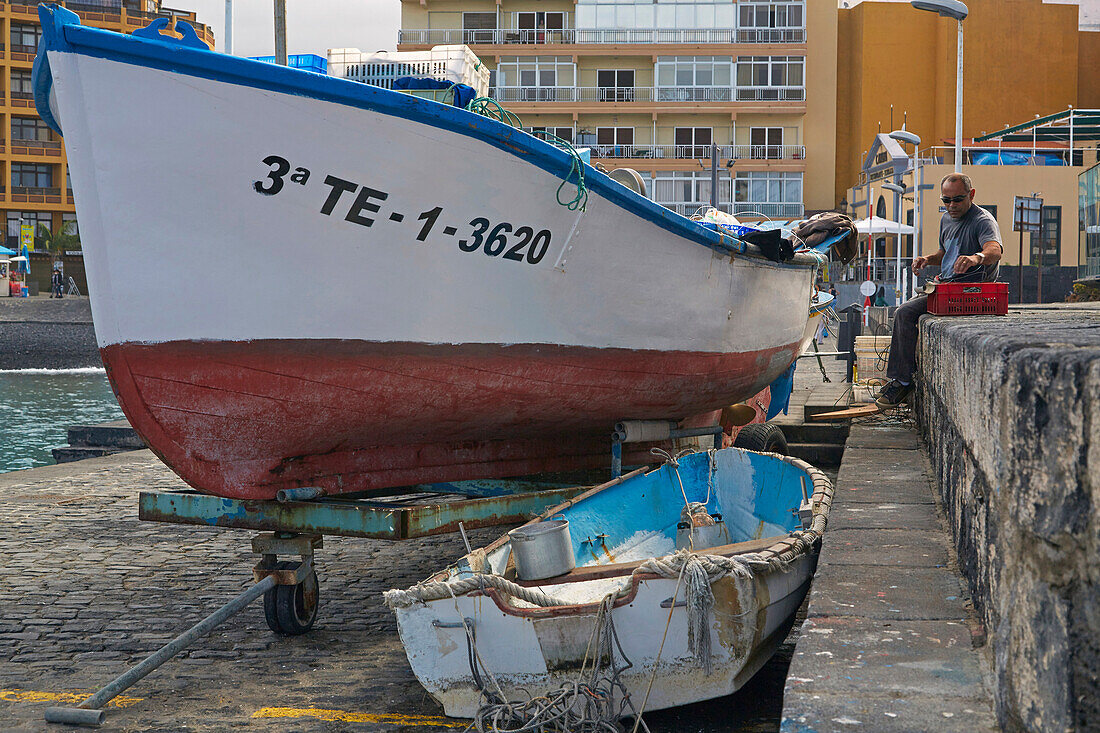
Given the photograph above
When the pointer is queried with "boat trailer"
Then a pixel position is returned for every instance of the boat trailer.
(294, 524)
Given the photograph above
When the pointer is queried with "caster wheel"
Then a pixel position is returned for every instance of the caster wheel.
(291, 609)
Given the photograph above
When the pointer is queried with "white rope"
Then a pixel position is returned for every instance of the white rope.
(424, 592)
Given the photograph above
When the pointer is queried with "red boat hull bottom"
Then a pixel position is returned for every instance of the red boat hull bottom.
(245, 419)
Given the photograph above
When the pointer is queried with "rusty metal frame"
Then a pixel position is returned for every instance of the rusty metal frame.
(348, 518)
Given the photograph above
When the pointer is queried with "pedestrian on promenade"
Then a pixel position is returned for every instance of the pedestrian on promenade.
(57, 280)
(970, 249)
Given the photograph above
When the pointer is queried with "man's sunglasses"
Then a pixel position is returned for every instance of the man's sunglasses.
(953, 199)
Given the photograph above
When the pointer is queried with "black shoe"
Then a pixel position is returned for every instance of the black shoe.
(893, 394)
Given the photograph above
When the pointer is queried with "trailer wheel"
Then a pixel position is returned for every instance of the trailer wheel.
(296, 605)
(764, 437)
(271, 599)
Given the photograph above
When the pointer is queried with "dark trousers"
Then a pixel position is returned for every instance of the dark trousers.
(903, 344)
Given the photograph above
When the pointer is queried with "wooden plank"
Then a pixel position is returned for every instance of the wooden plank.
(859, 411)
(613, 570)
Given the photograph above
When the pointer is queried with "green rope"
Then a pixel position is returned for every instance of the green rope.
(489, 107)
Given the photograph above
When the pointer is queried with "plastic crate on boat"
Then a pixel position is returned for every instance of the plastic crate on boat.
(969, 299)
(456, 64)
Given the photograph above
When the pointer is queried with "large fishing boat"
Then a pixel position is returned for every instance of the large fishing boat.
(299, 280)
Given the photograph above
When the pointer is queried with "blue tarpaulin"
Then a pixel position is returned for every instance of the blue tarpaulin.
(463, 93)
(781, 392)
(6, 251)
(1013, 157)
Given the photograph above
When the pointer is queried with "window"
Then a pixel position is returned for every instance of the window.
(565, 133)
(538, 27)
(66, 219)
(24, 38)
(29, 128)
(21, 87)
(1049, 239)
(479, 27)
(712, 18)
(762, 78)
(768, 192)
(686, 192)
(693, 142)
(17, 218)
(615, 85)
(33, 175)
(694, 78)
(614, 142)
(537, 78)
(770, 15)
(765, 143)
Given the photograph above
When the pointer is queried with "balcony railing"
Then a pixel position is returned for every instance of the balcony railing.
(21, 95)
(43, 144)
(768, 209)
(769, 152)
(674, 152)
(771, 94)
(35, 191)
(598, 36)
(646, 94)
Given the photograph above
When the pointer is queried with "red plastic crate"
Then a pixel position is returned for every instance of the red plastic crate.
(969, 299)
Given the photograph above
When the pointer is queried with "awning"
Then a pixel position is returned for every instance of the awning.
(877, 226)
(1071, 125)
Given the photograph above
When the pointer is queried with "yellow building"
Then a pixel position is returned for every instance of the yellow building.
(651, 85)
(35, 188)
(1022, 58)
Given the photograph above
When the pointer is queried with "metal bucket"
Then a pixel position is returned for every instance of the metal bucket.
(542, 550)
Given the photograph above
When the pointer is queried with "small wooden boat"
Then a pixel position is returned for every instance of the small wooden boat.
(694, 569)
(300, 280)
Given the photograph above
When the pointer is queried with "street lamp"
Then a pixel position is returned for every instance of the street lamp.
(958, 11)
(898, 191)
(904, 136)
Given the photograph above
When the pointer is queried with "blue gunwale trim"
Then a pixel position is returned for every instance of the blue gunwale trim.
(63, 32)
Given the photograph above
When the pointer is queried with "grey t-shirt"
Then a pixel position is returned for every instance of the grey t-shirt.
(965, 236)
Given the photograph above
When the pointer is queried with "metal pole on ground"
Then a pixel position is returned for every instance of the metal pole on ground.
(91, 713)
(1019, 215)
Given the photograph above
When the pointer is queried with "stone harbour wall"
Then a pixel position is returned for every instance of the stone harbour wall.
(1010, 408)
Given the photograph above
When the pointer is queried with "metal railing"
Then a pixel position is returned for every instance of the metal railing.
(740, 208)
(598, 36)
(768, 209)
(44, 144)
(21, 95)
(945, 155)
(36, 191)
(771, 94)
(683, 152)
(646, 94)
(769, 152)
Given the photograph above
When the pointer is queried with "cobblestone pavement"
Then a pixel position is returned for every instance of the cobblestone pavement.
(90, 590)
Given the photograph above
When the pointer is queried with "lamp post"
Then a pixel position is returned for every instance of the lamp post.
(958, 11)
(898, 191)
(904, 136)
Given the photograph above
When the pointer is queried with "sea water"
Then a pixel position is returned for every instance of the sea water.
(37, 406)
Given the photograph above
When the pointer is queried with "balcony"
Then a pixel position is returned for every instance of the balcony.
(769, 152)
(35, 191)
(768, 209)
(599, 36)
(771, 94)
(648, 94)
(670, 152)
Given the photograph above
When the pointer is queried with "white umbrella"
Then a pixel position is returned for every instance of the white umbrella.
(876, 225)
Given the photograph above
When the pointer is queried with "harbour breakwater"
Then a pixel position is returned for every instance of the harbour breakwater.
(1010, 408)
(47, 333)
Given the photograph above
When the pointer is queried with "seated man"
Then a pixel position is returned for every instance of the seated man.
(970, 243)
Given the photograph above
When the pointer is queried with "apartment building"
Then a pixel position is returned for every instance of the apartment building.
(651, 84)
(34, 180)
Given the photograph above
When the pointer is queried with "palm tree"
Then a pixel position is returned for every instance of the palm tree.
(64, 239)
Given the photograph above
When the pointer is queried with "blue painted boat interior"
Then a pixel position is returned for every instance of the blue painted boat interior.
(757, 495)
